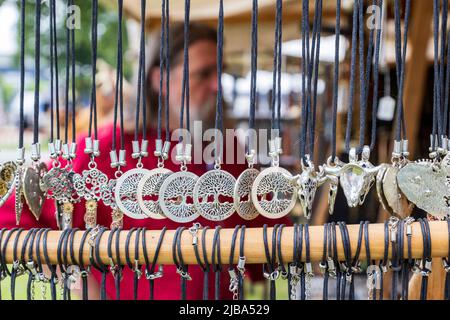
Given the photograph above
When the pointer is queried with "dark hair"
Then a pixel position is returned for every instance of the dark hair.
(197, 32)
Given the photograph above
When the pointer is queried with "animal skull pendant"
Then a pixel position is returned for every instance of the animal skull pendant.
(357, 177)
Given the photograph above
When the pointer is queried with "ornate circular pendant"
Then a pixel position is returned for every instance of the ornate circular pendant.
(213, 195)
(243, 202)
(7, 178)
(273, 194)
(176, 197)
(125, 193)
(107, 193)
(148, 192)
(34, 195)
(89, 184)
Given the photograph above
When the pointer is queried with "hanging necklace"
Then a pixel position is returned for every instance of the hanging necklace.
(117, 162)
(57, 182)
(89, 184)
(213, 192)
(426, 182)
(242, 190)
(273, 194)
(32, 192)
(391, 197)
(127, 184)
(16, 182)
(176, 192)
(309, 180)
(358, 176)
(150, 184)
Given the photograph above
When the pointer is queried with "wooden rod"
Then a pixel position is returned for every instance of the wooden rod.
(254, 246)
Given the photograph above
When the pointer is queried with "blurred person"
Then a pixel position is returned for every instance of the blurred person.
(203, 92)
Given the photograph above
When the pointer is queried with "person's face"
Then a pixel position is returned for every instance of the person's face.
(202, 83)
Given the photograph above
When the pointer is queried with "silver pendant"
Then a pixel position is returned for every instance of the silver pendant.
(391, 197)
(18, 201)
(357, 177)
(58, 185)
(64, 212)
(7, 180)
(213, 195)
(243, 202)
(107, 194)
(273, 193)
(176, 197)
(33, 194)
(427, 185)
(148, 192)
(88, 185)
(126, 193)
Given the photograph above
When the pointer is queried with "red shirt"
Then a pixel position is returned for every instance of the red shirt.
(167, 287)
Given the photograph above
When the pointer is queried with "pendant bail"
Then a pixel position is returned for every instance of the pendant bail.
(65, 151)
(397, 151)
(136, 151)
(35, 151)
(89, 146)
(166, 150)
(180, 153)
(158, 148)
(20, 156)
(405, 148)
(58, 144)
(122, 158)
(96, 151)
(352, 155)
(144, 148)
(113, 158)
(52, 150)
(73, 150)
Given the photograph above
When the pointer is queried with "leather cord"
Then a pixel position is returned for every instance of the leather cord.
(150, 269)
(53, 274)
(216, 262)
(83, 270)
(16, 270)
(270, 273)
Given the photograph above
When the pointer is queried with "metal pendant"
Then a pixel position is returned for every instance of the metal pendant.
(126, 193)
(391, 197)
(307, 183)
(243, 202)
(18, 201)
(33, 194)
(213, 195)
(88, 185)
(357, 177)
(7, 180)
(64, 211)
(117, 219)
(57, 184)
(148, 192)
(107, 194)
(273, 194)
(427, 185)
(176, 197)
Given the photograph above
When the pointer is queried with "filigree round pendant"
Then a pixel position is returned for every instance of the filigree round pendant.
(33, 194)
(89, 184)
(7, 178)
(273, 194)
(148, 192)
(213, 195)
(243, 202)
(125, 193)
(176, 197)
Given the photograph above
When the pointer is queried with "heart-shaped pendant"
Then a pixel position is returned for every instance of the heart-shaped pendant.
(34, 196)
(427, 186)
(7, 178)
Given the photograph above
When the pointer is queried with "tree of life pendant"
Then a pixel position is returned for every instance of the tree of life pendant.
(273, 194)
(126, 193)
(8, 175)
(213, 195)
(176, 197)
(148, 192)
(243, 202)
(107, 192)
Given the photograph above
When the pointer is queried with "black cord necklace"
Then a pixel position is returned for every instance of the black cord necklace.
(242, 192)
(150, 273)
(181, 184)
(150, 183)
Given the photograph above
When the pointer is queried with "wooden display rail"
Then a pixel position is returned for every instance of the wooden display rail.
(254, 246)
